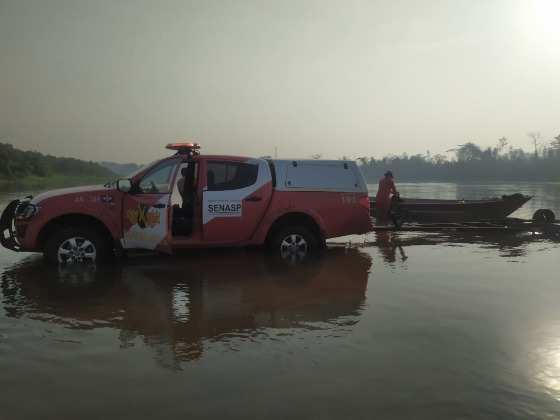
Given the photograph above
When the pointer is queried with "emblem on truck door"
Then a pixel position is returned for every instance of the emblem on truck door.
(143, 217)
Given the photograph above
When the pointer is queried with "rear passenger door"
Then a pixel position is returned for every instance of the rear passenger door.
(236, 195)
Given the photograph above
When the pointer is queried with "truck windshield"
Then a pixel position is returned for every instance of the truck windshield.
(142, 168)
(113, 183)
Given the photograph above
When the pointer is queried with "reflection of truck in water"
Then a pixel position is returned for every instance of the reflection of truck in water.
(190, 200)
(176, 306)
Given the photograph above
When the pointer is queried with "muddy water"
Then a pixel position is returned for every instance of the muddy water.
(389, 326)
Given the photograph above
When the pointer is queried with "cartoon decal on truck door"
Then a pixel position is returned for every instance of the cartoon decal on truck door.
(146, 208)
(235, 198)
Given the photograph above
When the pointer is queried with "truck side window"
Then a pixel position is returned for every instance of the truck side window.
(223, 176)
(158, 180)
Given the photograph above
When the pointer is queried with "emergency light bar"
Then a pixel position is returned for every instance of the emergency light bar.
(184, 148)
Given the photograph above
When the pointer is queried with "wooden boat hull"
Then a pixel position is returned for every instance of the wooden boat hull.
(425, 210)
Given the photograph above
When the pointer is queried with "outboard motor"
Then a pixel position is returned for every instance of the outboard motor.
(396, 213)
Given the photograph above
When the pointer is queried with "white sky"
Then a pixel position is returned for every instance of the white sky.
(118, 79)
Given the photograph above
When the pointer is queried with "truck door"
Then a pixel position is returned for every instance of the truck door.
(146, 208)
(235, 197)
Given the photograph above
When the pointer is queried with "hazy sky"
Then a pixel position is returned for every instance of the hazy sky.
(118, 79)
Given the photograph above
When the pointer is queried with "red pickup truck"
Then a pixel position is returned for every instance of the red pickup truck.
(190, 200)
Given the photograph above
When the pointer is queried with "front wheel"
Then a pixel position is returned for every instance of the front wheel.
(76, 245)
(295, 244)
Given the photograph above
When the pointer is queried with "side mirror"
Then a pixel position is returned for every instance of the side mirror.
(124, 185)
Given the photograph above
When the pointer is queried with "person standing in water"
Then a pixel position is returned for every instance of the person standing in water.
(383, 197)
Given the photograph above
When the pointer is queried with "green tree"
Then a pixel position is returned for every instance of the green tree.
(555, 144)
(468, 152)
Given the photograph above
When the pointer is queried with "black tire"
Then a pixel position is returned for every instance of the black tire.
(60, 240)
(295, 244)
(544, 216)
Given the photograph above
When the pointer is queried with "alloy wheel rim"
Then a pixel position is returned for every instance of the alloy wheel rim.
(294, 248)
(76, 250)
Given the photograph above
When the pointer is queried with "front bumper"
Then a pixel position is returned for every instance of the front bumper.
(8, 234)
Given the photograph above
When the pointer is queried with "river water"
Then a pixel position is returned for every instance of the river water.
(389, 326)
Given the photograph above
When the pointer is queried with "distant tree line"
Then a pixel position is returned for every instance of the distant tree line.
(16, 164)
(473, 163)
(122, 169)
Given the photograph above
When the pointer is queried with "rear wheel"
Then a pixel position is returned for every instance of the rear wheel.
(295, 244)
(76, 245)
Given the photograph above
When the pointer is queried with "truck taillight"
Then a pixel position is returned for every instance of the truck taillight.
(364, 202)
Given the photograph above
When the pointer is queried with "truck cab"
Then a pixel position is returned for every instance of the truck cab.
(189, 200)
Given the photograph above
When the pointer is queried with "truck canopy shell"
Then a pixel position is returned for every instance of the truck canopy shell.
(318, 175)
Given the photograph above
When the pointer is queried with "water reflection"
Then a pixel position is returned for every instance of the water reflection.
(392, 244)
(389, 243)
(548, 367)
(174, 304)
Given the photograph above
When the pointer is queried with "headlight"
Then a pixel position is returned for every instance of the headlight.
(26, 211)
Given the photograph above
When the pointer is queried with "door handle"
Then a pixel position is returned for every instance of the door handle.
(159, 206)
(253, 198)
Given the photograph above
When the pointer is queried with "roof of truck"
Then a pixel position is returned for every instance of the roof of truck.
(226, 157)
(313, 160)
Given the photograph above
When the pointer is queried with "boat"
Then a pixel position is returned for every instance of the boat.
(428, 210)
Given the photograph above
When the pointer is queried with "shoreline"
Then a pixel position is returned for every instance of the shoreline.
(50, 182)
